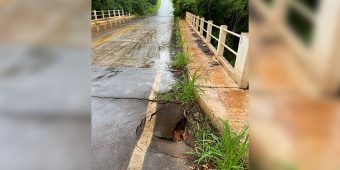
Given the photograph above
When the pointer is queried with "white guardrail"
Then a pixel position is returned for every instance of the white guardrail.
(101, 19)
(240, 71)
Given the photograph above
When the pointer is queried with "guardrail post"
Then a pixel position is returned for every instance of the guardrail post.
(110, 18)
(95, 14)
(191, 19)
(188, 17)
(119, 16)
(197, 22)
(209, 29)
(221, 40)
(123, 15)
(202, 26)
(242, 61)
(114, 17)
(96, 18)
(103, 16)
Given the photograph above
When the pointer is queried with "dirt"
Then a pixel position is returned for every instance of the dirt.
(202, 45)
(194, 34)
(204, 48)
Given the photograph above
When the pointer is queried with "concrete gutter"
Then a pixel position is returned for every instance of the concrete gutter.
(222, 99)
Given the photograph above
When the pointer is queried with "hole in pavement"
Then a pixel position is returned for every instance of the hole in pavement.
(170, 134)
(173, 133)
(179, 133)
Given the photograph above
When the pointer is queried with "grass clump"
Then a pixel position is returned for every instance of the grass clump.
(184, 91)
(222, 151)
(180, 61)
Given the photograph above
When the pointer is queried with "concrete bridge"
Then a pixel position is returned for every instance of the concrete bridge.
(130, 67)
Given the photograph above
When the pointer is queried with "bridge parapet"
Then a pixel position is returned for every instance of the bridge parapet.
(203, 28)
(104, 18)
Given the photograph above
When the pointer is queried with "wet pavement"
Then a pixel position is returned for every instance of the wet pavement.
(125, 62)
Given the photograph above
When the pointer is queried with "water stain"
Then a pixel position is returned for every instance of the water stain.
(203, 46)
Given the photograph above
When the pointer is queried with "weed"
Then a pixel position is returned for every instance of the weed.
(165, 97)
(184, 91)
(223, 151)
(180, 61)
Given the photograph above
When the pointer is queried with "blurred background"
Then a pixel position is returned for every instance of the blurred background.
(294, 84)
(45, 120)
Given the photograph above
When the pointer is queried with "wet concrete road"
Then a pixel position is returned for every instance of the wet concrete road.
(125, 62)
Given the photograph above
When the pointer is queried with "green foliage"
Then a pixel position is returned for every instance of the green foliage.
(181, 6)
(233, 13)
(184, 91)
(180, 61)
(223, 151)
(153, 8)
(139, 7)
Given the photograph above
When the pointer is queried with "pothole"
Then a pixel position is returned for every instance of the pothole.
(173, 133)
(170, 134)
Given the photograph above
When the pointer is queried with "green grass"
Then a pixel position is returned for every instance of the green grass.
(222, 151)
(180, 61)
(179, 43)
(153, 9)
(184, 91)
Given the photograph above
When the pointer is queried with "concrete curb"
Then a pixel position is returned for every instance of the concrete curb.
(222, 100)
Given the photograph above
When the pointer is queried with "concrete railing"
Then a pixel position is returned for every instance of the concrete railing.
(240, 71)
(103, 19)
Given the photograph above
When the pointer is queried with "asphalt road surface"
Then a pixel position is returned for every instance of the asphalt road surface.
(129, 66)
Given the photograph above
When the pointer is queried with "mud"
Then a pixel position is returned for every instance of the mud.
(204, 48)
(194, 34)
